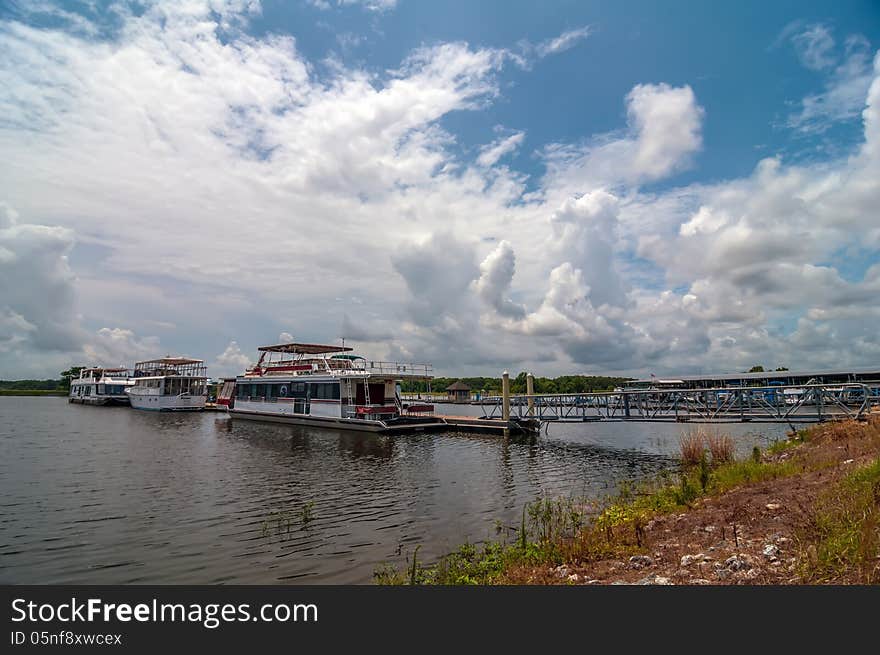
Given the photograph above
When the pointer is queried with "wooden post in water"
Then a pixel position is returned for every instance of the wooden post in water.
(505, 396)
(530, 391)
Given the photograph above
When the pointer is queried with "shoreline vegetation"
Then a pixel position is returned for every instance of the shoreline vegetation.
(805, 510)
(33, 392)
(34, 387)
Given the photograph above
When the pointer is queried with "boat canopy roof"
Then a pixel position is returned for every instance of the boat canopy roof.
(104, 369)
(303, 349)
(172, 361)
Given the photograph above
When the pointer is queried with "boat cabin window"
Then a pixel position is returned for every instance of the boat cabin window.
(324, 390)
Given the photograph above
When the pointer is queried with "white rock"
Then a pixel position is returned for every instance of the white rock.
(771, 551)
(687, 560)
(735, 563)
(773, 506)
(640, 561)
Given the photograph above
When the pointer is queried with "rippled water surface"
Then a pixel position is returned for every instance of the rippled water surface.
(115, 495)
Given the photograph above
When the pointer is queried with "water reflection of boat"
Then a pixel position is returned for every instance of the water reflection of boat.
(378, 446)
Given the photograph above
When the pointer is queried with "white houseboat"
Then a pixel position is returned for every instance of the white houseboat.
(100, 386)
(325, 385)
(169, 384)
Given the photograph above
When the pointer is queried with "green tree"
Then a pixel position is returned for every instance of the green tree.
(70, 373)
(756, 369)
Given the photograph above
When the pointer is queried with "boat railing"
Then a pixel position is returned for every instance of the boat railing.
(396, 369)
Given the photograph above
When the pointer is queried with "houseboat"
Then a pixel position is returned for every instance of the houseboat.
(325, 385)
(100, 386)
(176, 384)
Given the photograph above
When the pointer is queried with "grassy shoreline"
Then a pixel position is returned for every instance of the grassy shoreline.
(806, 510)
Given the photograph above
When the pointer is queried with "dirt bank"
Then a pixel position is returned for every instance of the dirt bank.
(772, 531)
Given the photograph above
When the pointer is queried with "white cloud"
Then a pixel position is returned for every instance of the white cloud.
(663, 135)
(814, 47)
(496, 275)
(120, 347)
(584, 233)
(845, 86)
(231, 361)
(563, 42)
(37, 286)
(490, 154)
(369, 5)
(668, 122)
(185, 178)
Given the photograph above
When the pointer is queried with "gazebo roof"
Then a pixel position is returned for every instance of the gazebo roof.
(458, 386)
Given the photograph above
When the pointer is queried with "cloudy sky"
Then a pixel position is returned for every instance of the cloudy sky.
(566, 187)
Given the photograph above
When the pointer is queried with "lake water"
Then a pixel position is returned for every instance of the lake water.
(117, 496)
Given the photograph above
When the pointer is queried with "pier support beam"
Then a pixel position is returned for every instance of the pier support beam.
(530, 391)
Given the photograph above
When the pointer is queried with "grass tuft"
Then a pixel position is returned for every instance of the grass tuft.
(846, 531)
(691, 447)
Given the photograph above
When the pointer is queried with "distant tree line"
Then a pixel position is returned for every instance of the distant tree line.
(34, 385)
(61, 384)
(561, 384)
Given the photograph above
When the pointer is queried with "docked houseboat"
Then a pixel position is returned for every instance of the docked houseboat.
(100, 386)
(325, 385)
(176, 384)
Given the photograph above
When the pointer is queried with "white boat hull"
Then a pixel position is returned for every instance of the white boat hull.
(163, 403)
(355, 424)
(99, 400)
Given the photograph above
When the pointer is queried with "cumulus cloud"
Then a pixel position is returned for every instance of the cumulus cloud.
(37, 294)
(664, 133)
(584, 233)
(437, 271)
(120, 347)
(496, 275)
(201, 176)
(232, 361)
(668, 123)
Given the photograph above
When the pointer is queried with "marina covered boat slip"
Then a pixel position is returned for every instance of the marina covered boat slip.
(100, 386)
(169, 384)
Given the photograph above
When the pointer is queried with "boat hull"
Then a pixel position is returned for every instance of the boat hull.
(336, 423)
(100, 401)
(159, 403)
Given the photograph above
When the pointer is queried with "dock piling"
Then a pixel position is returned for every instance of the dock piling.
(530, 392)
(505, 397)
